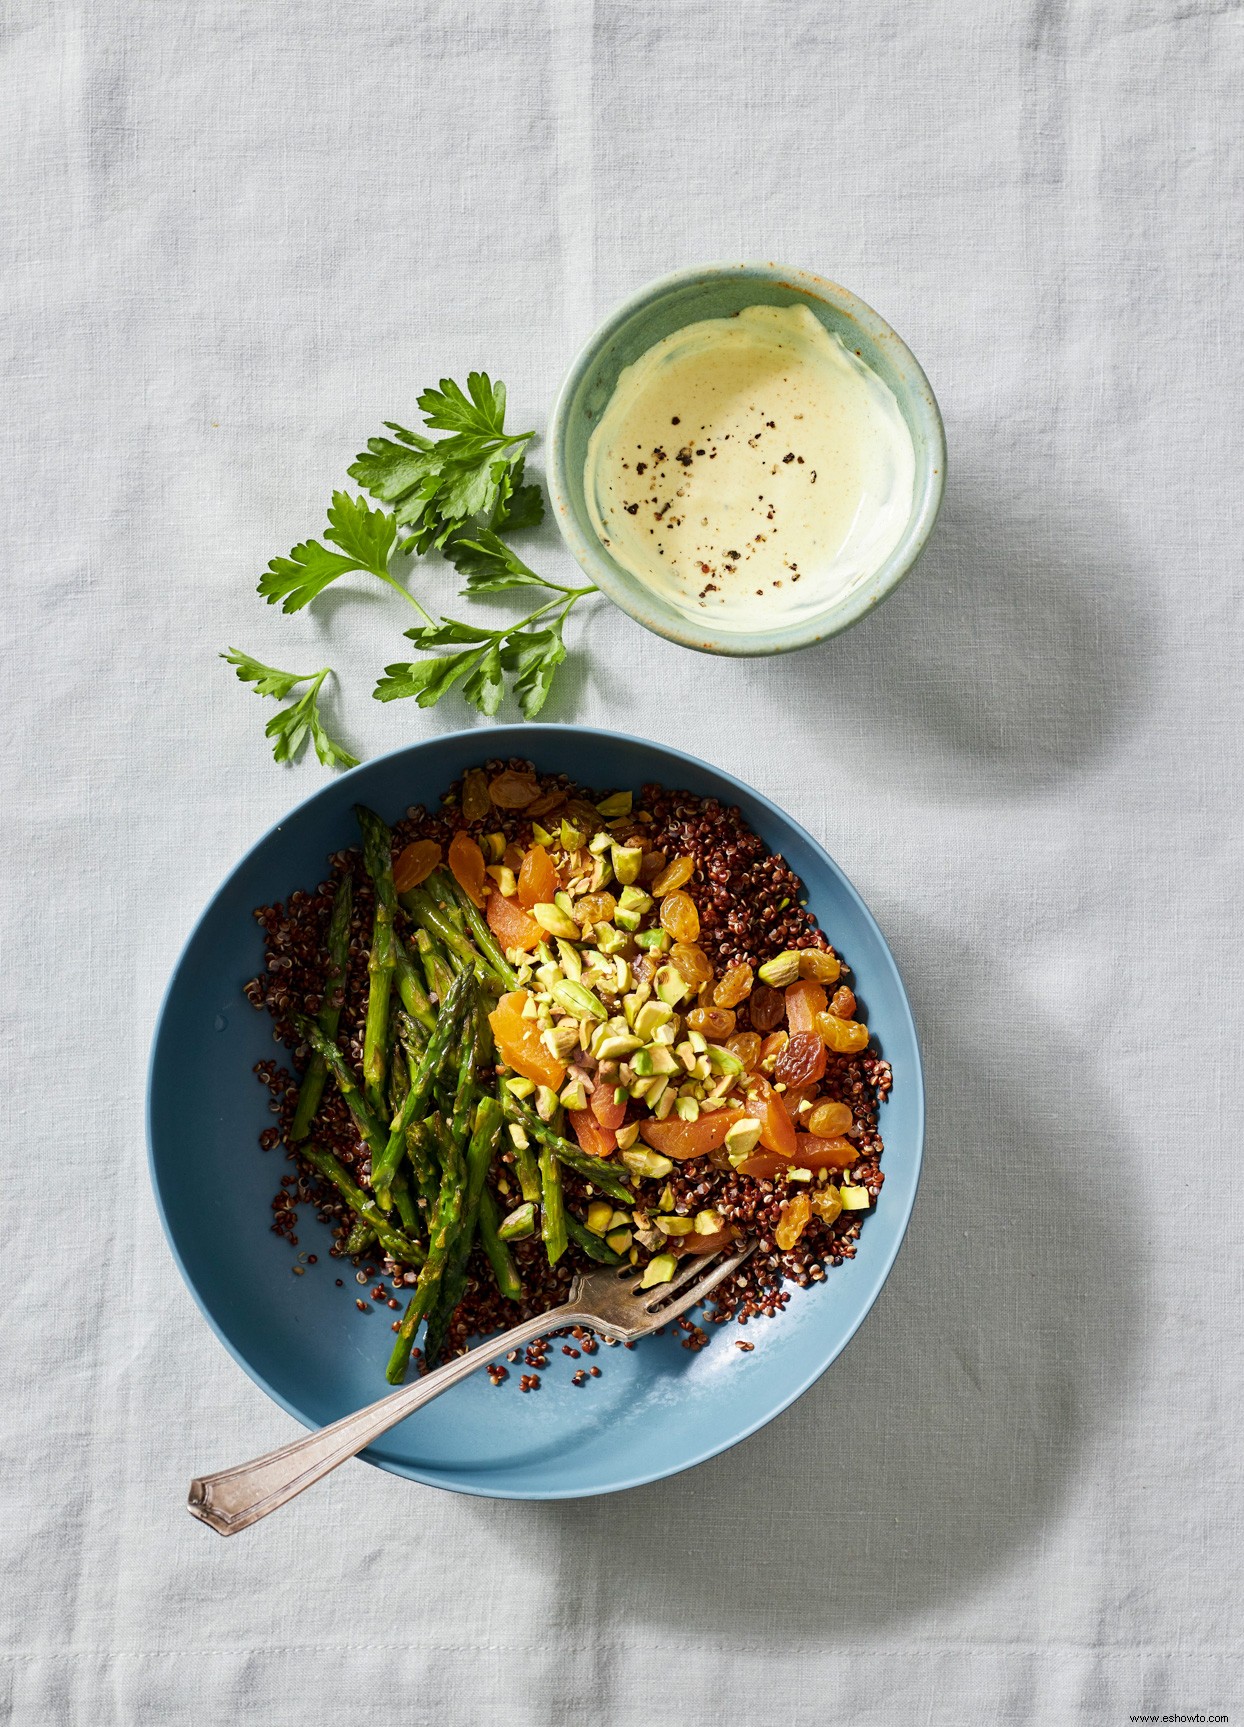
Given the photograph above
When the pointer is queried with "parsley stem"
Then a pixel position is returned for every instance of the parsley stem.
(407, 595)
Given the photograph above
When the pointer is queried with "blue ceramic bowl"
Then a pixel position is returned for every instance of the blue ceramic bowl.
(718, 291)
(656, 1409)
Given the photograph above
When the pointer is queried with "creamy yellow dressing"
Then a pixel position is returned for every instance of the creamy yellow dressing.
(751, 469)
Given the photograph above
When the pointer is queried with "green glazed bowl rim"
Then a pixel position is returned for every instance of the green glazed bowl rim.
(920, 407)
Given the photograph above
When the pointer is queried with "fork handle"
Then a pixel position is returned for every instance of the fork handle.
(235, 1498)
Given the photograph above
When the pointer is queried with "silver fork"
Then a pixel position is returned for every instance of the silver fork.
(609, 1300)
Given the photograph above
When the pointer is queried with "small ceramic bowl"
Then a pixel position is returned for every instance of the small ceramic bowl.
(718, 291)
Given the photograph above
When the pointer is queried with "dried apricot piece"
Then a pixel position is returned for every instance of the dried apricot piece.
(767, 1008)
(804, 1000)
(691, 963)
(823, 967)
(676, 872)
(596, 1139)
(511, 925)
(713, 1022)
(512, 790)
(843, 1036)
(537, 878)
(476, 804)
(606, 1108)
(829, 1120)
(802, 1062)
(715, 1243)
(735, 986)
(466, 861)
(683, 1139)
(680, 918)
(519, 1043)
(415, 863)
(765, 1106)
(793, 1220)
(813, 1153)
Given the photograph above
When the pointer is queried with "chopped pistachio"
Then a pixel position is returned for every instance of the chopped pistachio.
(698, 1042)
(518, 1135)
(724, 1060)
(563, 902)
(666, 1201)
(579, 1001)
(626, 861)
(709, 1104)
(573, 1096)
(542, 836)
(600, 842)
(658, 1270)
(633, 1256)
(650, 1016)
(572, 962)
(627, 1135)
(543, 954)
(586, 1028)
(519, 1086)
(854, 1198)
(613, 1046)
(599, 1216)
(519, 1224)
(616, 804)
(662, 1060)
(626, 920)
(665, 1035)
(670, 987)
(709, 1222)
(609, 940)
(505, 879)
(687, 1108)
(641, 1064)
(650, 1165)
(654, 940)
(778, 972)
(493, 847)
(664, 1103)
(634, 899)
(619, 1239)
(796, 1174)
(675, 1225)
(702, 1070)
(572, 837)
(548, 975)
(546, 1102)
(622, 975)
(561, 1039)
(556, 920)
(531, 1008)
(518, 958)
(619, 1219)
(742, 1136)
(724, 1085)
(685, 1052)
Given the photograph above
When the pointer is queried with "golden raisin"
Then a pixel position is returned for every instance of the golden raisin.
(767, 1007)
(476, 804)
(745, 1045)
(827, 1203)
(830, 1120)
(584, 816)
(735, 986)
(843, 1036)
(466, 861)
(714, 1022)
(793, 1221)
(821, 967)
(680, 918)
(673, 876)
(802, 1061)
(512, 790)
(415, 864)
(595, 908)
(546, 804)
(691, 963)
(843, 1003)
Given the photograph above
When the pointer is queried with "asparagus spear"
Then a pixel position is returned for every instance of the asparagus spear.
(479, 1157)
(553, 1205)
(385, 1163)
(526, 1167)
(368, 1126)
(429, 916)
(359, 1239)
(591, 1244)
(436, 968)
(466, 1090)
(378, 857)
(402, 1199)
(391, 1239)
(499, 1256)
(421, 1153)
(414, 996)
(594, 1169)
(399, 1079)
(444, 1227)
(446, 890)
(312, 1088)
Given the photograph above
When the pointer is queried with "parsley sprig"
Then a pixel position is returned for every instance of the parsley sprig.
(455, 493)
(291, 726)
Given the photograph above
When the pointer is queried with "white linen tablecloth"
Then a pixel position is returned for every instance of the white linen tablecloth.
(236, 237)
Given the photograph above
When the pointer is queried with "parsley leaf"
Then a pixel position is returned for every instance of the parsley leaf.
(291, 726)
(436, 486)
(489, 565)
(365, 538)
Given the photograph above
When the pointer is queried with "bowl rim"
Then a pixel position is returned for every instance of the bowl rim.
(637, 601)
(441, 1478)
